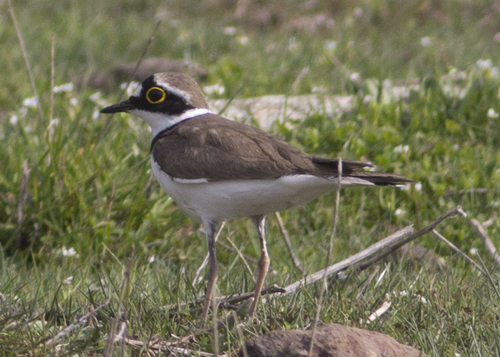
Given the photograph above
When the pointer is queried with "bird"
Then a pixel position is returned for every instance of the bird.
(217, 169)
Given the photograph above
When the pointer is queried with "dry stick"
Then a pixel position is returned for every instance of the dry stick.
(451, 213)
(82, 320)
(384, 243)
(164, 347)
(234, 299)
(27, 62)
(481, 233)
(465, 256)
(335, 218)
(146, 48)
(288, 243)
(391, 243)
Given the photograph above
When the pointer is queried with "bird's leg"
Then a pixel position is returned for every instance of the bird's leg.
(260, 222)
(210, 229)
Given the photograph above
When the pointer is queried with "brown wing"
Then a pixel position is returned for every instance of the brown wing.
(215, 148)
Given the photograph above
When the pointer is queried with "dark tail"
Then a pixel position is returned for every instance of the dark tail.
(354, 169)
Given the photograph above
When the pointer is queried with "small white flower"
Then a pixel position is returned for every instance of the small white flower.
(358, 12)
(483, 64)
(215, 89)
(151, 259)
(243, 40)
(425, 41)
(30, 102)
(473, 251)
(402, 148)
(68, 280)
(73, 102)
(418, 186)
(492, 113)
(174, 23)
(354, 76)
(131, 87)
(95, 97)
(330, 45)
(13, 119)
(317, 89)
(229, 30)
(398, 212)
(66, 87)
(68, 252)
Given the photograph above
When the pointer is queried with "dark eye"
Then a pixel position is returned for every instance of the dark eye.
(155, 95)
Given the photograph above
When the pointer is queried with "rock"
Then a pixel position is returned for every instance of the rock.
(330, 341)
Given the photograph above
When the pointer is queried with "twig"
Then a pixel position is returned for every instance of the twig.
(386, 305)
(421, 232)
(390, 244)
(481, 233)
(401, 234)
(165, 347)
(228, 300)
(82, 320)
(288, 243)
(27, 62)
(452, 246)
(121, 333)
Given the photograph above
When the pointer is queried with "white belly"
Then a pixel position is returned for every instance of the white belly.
(222, 200)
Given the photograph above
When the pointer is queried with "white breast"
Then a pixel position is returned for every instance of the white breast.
(221, 200)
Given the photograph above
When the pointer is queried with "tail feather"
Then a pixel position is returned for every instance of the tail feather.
(353, 169)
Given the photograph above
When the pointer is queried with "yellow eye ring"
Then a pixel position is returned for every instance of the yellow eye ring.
(155, 95)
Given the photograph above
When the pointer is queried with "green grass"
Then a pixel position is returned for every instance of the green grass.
(64, 188)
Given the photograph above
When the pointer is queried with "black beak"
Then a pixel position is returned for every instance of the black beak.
(121, 107)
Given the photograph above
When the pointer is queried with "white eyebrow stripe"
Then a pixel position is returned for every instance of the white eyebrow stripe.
(178, 92)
